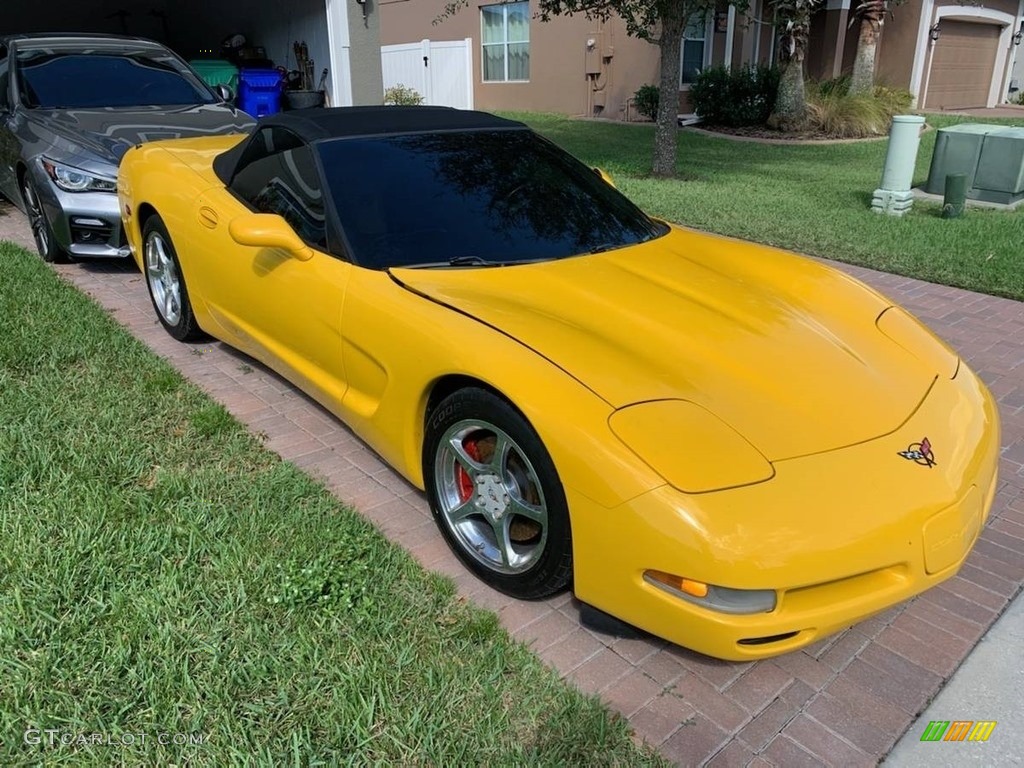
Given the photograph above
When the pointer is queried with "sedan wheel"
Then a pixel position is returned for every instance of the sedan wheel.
(166, 283)
(496, 496)
(42, 233)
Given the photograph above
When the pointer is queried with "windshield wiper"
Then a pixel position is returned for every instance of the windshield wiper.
(463, 261)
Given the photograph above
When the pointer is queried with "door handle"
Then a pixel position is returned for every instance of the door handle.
(208, 217)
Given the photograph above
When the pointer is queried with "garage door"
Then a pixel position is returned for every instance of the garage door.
(963, 65)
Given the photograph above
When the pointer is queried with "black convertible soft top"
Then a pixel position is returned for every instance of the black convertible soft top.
(330, 123)
(312, 125)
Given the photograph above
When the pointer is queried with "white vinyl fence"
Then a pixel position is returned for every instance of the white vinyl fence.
(441, 72)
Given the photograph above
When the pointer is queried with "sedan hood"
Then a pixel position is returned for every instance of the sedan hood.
(109, 133)
(782, 348)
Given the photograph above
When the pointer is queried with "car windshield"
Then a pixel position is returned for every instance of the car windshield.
(473, 198)
(54, 79)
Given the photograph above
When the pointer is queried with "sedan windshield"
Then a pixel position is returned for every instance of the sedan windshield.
(80, 80)
(473, 198)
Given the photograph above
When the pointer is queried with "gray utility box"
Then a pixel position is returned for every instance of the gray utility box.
(992, 157)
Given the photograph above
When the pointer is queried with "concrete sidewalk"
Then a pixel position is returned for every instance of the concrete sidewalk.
(1002, 111)
(844, 701)
(989, 686)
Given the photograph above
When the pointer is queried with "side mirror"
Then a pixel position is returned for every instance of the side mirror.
(224, 93)
(604, 176)
(268, 230)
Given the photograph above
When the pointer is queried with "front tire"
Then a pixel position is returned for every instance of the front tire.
(496, 496)
(166, 283)
(42, 232)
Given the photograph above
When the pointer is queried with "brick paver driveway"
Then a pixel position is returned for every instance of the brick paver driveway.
(842, 702)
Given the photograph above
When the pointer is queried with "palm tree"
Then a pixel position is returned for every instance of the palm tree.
(794, 16)
(871, 14)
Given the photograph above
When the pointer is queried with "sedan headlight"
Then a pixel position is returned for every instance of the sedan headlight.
(75, 180)
(689, 446)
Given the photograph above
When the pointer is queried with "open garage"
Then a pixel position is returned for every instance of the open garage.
(340, 37)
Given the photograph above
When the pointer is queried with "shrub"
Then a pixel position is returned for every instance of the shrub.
(735, 97)
(646, 100)
(832, 110)
(402, 96)
(897, 101)
(837, 85)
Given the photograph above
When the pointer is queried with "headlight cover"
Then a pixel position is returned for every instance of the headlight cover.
(72, 179)
(721, 599)
(694, 450)
(912, 335)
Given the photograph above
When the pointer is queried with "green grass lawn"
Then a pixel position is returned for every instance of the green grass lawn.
(812, 199)
(162, 574)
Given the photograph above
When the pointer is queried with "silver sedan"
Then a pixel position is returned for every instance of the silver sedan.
(70, 106)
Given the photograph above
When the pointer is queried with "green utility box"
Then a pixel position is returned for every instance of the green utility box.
(216, 72)
(991, 156)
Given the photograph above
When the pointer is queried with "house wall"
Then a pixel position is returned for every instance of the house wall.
(902, 59)
(850, 48)
(826, 56)
(767, 54)
(558, 80)
(364, 53)
(819, 46)
(1017, 73)
(900, 37)
(898, 44)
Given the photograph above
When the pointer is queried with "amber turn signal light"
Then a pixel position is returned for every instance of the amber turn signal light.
(684, 585)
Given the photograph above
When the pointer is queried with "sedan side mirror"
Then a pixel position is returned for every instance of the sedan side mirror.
(224, 93)
(268, 230)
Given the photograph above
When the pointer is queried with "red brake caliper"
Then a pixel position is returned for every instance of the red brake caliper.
(461, 475)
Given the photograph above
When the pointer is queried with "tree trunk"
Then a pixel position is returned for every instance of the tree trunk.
(790, 112)
(863, 80)
(666, 135)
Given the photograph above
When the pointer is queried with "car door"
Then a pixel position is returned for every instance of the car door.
(284, 311)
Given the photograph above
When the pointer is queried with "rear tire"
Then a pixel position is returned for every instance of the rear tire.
(166, 283)
(496, 496)
(42, 232)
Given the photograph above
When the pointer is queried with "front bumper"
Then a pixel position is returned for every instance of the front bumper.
(85, 224)
(838, 536)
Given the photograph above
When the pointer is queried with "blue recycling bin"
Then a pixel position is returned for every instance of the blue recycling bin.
(259, 91)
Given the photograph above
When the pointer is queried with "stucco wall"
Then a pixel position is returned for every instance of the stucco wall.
(558, 80)
(364, 56)
(898, 43)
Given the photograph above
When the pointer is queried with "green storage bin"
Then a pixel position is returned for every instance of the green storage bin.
(216, 72)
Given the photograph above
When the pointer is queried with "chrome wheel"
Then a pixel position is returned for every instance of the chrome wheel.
(490, 497)
(164, 282)
(36, 218)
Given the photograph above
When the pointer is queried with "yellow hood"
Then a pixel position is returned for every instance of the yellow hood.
(782, 348)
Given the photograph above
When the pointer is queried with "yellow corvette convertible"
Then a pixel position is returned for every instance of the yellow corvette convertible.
(731, 447)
